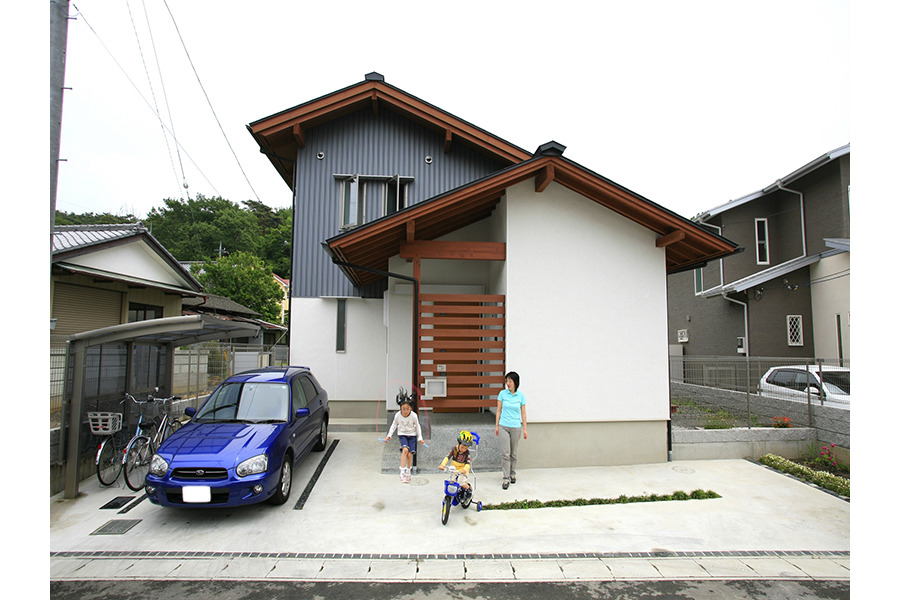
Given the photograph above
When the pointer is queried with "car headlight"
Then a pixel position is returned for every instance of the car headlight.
(158, 466)
(252, 466)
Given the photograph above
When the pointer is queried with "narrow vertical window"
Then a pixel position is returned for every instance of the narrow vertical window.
(351, 205)
(341, 338)
(394, 195)
(762, 241)
(698, 281)
(795, 330)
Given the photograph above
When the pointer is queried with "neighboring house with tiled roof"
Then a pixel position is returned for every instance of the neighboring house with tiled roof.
(430, 253)
(226, 308)
(104, 275)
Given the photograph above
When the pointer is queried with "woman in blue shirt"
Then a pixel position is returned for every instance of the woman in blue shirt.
(511, 424)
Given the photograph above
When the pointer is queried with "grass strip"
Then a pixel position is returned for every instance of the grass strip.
(838, 485)
(623, 499)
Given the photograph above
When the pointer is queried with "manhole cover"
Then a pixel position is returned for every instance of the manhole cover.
(685, 470)
(118, 502)
(116, 527)
(418, 481)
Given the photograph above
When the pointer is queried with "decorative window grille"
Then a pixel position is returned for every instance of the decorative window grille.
(795, 330)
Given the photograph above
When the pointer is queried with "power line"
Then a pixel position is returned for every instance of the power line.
(112, 56)
(150, 83)
(209, 102)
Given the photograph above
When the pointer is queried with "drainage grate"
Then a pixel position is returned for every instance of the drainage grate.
(117, 502)
(116, 527)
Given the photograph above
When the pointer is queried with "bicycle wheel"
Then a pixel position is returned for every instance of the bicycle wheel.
(445, 511)
(137, 462)
(109, 462)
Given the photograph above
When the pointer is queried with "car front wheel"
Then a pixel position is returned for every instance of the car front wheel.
(284, 482)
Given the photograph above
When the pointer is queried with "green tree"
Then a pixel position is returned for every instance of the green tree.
(275, 235)
(200, 228)
(67, 218)
(246, 279)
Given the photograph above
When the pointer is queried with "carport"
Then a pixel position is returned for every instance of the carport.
(171, 332)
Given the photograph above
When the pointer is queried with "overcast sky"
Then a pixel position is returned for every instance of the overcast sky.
(689, 104)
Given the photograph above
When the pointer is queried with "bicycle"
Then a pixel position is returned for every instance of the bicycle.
(109, 456)
(150, 434)
(454, 494)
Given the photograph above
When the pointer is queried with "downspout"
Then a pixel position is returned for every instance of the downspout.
(802, 214)
(746, 350)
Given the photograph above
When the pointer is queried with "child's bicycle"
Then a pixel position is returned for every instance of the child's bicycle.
(454, 494)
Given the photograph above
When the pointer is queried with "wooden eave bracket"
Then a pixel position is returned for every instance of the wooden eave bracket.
(543, 178)
(299, 135)
(671, 238)
(448, 138)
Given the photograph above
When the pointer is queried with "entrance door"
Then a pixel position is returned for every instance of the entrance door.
(463, 337)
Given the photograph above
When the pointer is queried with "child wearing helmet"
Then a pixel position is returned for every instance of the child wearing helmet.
(406, 423)
(460, 460)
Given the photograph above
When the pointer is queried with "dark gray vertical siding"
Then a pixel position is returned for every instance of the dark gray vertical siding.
(367, 144)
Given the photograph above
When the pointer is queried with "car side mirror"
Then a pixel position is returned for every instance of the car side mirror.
(302, 412)
(190, 411)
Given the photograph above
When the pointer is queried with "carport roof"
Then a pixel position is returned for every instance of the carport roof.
(179, 331)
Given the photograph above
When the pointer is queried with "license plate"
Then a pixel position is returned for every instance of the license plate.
(196, 494)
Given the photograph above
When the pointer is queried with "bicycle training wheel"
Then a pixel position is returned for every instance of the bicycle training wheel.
(137, 462)
(445, 511)
(109, 462)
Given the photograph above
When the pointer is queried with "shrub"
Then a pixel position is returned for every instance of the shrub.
(623, 499)
(836, 484)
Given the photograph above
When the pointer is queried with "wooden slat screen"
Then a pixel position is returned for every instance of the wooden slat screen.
(467, 334)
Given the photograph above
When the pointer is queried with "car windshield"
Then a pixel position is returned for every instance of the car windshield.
(246, 402)
(837, 382)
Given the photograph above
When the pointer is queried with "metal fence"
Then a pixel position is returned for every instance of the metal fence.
(714, 392)
(197, 370)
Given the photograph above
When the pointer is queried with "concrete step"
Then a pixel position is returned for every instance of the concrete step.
(355, 425)
(440, 432)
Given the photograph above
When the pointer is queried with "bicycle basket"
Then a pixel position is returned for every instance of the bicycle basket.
(105, 423)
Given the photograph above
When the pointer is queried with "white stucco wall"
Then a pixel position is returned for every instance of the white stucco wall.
(829, 299)
(358, 373)
(586, 309)
(135, 259)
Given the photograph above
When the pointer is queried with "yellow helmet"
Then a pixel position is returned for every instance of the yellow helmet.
(464, 437)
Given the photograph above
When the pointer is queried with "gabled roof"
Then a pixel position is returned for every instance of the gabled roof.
(687, 244)
(71, 243)
(786, 180)
(280, 134)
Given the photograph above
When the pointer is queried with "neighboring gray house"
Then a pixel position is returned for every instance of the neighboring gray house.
(431, 254)
(788, 293)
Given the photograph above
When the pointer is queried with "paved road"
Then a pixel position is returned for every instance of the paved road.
(594, 590)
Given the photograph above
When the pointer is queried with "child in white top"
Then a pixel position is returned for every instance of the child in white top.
(406, 424)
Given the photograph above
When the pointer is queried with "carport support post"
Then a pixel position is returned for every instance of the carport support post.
(73, 454)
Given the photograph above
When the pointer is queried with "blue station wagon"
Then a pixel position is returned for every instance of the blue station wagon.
(242, 444)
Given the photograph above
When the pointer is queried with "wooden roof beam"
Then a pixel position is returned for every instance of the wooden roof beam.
(299, 135)
(543, 178)
(454, 250)
(667, 240)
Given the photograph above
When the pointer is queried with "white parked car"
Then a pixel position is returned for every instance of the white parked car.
(826, 384)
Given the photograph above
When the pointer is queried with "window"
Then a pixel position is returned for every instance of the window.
(341, 340)
(395, 194)
(300, 399)
(698, 281)
(359, 191)
(351, 204)
(795, 330)
(143, 312)
(762, 241)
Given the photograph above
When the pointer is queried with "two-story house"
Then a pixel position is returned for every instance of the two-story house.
(432, 254)
(788, 293)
